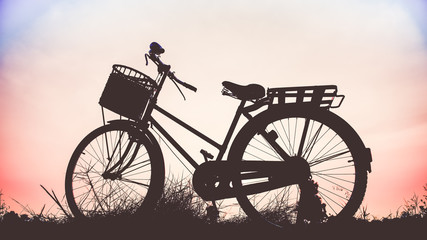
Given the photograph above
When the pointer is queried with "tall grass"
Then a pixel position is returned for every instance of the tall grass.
(180, 212)
(414, 207)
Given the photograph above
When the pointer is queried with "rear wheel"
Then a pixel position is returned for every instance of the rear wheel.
(116, 169)
(330, 146)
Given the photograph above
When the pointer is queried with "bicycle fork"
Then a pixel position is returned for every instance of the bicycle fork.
(115, 172)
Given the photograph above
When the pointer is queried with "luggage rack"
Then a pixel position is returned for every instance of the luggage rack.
(321, 96)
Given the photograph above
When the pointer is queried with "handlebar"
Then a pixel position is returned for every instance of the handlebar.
(171, 75)
(154, 55)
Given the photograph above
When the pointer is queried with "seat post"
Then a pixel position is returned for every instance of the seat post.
(231, 130)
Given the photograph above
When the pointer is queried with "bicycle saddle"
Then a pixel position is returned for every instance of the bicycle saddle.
(249, 92)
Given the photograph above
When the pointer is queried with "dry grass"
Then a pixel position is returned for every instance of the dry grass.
(181, 213)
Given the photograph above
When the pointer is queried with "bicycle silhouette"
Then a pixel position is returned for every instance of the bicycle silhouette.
(293, 160)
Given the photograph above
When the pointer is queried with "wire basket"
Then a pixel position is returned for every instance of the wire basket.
(127, 92)
(319, 96)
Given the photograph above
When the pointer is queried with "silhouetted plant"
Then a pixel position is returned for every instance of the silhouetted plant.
(179, 198)
(423, 207)
(415, 206)
(396, 214)
(411, 206)
(364, 214)
(3, 206)
(52, 195)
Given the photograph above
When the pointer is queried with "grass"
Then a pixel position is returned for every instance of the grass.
(181, 213)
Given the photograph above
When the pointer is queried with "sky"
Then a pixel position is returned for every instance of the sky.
(55, 57)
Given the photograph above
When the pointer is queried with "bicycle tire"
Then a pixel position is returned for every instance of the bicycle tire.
(342, 184)
(90, 193)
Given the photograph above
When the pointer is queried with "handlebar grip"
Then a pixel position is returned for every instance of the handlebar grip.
(192, 88)
(172, 76)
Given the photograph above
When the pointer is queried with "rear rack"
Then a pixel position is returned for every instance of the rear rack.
(319, 96)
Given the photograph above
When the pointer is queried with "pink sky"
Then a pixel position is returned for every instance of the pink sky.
(55, 57)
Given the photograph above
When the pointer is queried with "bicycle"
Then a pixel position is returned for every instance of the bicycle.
(293, 160)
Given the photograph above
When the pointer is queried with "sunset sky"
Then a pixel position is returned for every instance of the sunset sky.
(55, 57)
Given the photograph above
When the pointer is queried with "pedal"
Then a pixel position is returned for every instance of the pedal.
(206, 155)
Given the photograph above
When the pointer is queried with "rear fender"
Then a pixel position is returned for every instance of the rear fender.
(367, 159)
(366, 156)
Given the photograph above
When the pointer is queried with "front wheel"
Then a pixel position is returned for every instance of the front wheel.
(116, 169)
(331, 148)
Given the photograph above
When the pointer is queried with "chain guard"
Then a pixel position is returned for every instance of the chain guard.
(214, 180)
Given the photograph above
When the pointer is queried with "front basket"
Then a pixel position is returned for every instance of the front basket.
(127, 92)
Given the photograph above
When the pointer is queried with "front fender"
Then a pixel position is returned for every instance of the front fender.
(146, 131)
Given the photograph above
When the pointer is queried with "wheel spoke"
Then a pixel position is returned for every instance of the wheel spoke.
(327, 158)
(335, 168)
(259, 149)
(336, 184)
(312, 143)
(136, 167)
(337, 178)
(288, 146)
(269, 148)
(304, 135)
(134, 182)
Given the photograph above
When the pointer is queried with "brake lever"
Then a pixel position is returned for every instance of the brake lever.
(179, 89)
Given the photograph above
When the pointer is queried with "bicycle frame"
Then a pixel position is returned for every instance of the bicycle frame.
(164, 70)
(270, 137)
(221, 147)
